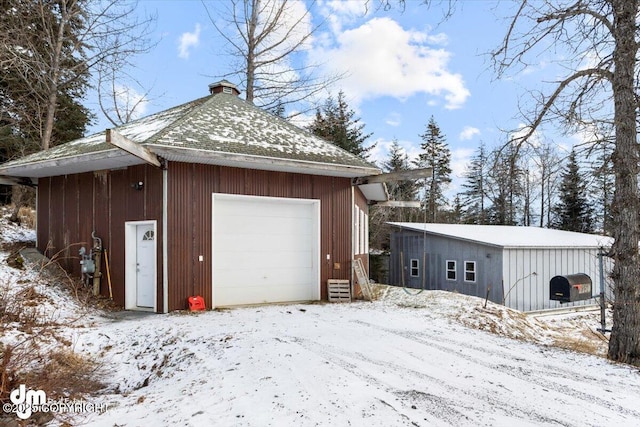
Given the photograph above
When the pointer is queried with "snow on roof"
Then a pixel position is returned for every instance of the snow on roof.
(138, 131)
(218, 123)
(511, 236)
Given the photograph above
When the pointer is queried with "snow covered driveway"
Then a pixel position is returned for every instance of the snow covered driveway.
(373, 364)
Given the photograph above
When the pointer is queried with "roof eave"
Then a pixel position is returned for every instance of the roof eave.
(89, 162)
(191, 155)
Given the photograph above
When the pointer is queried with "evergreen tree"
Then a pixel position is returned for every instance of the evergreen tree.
(474, 195)
(336, 123)
(436, 155)
(379, 230)
(573, 210)
(399, 161)
(504, 186)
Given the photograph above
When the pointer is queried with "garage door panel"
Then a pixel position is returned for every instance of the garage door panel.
(269, 243)
(265, 250)
(261, 225)
(262, 295)
(270, 208)
(235, 278)
(263, 259)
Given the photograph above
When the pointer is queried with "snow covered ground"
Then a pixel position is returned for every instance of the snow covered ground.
(431, 359)
(373, 364)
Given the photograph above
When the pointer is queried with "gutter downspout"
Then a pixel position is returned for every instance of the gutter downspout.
(165, 244)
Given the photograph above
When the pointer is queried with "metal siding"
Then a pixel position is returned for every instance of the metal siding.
(71, 207)
(201, 229)
(70, 224)
(85, 211)
(43, 213)
(118, 189)
(280, 185)
(56, 217)
(181, 210)
(189, 220)
(101, 214)
(532, 293)
(341, 244)
(321, 189)
(135, 199)
(153, 210)
(432, 253)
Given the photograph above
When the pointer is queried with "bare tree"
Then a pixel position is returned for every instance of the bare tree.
(268, 39)
(54, 45)
(546, 159)
(601, 40)
(121, 96)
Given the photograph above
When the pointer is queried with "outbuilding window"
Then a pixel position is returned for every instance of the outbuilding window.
(469, 271)
(451, 270)
(415, 268)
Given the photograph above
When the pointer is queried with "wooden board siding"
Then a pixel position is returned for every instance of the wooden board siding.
(190, 187)
(71, 207)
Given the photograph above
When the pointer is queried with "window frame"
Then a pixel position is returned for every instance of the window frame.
(415, 268)
(474, 271)
(453, 270)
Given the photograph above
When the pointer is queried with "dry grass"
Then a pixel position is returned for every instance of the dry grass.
(33, 351)
(587, 341)
(27, 217)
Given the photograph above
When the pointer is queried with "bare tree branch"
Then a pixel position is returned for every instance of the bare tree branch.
(268, 39)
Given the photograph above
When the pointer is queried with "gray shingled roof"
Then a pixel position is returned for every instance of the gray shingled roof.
(220, 126)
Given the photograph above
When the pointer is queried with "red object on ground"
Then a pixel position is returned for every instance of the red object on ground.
(196, 303)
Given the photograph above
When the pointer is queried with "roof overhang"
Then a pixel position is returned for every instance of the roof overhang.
(117, 158)
(107, 159)
(220, 158)
(376, 192)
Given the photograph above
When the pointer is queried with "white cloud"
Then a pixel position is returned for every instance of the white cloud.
(393, 119)
(468, 133)
(187, 41)
(339, 13)
(130, 102)
(383, 59)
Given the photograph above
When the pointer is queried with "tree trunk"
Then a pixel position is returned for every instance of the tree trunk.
(251, 49)
(52, 85)
(624, 345)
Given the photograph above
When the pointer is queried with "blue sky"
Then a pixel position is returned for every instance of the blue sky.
(404, 67)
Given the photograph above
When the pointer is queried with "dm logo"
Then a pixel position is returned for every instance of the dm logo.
(26, 401)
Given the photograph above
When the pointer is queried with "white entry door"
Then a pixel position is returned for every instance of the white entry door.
(145, 265)
(140, 280)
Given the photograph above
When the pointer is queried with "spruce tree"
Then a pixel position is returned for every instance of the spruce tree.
(399, 161)
(379, 230)
(573, 212)
(336, 122)
(474, 195)
(504, 185)
(436, 155)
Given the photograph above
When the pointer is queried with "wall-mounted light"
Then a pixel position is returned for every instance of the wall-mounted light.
(137, 185)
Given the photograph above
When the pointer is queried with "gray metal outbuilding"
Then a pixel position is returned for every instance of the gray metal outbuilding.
(512, 265)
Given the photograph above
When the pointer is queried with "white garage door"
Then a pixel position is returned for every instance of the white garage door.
(265, 250)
